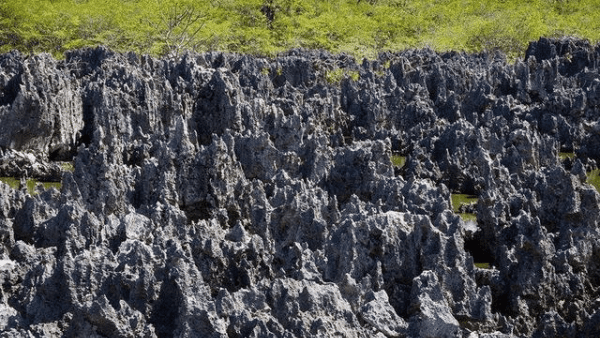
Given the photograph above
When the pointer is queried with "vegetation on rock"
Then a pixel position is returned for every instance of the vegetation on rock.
(483, 265)
(460, 199)
(593, 178)
(31, 184)
(464, 199)
(398, 160)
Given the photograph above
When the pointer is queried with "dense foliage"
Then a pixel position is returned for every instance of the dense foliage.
(359, 27)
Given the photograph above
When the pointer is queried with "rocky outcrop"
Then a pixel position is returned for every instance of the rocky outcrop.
(223, 195)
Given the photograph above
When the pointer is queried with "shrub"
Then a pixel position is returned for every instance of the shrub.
(362, 28)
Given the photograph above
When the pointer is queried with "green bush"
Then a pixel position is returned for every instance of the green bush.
(337, 75)
(362, 28)
(565, 155)
(593, 178)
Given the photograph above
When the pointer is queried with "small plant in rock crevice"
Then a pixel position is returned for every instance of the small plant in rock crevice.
(31, 184)
(483, 265)
(459, 200)
(398, 160)
(337, 75)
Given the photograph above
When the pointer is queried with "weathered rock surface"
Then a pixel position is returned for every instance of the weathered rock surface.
(227, 195)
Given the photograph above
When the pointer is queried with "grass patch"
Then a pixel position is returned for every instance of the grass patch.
(31, 184)
(67, 166)
(563, 156)
(593, 178)
(460, 199)
(483, 265)
(11, 181)
(398, 161)
(48, 185)
(467, 216)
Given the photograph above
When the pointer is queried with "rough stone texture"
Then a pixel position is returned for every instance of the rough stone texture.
(223, 195)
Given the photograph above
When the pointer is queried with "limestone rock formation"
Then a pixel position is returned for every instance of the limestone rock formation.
(224, 195)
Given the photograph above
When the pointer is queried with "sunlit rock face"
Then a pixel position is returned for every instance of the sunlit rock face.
(223, 195)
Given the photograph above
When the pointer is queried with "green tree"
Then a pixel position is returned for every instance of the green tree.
(181, 22)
